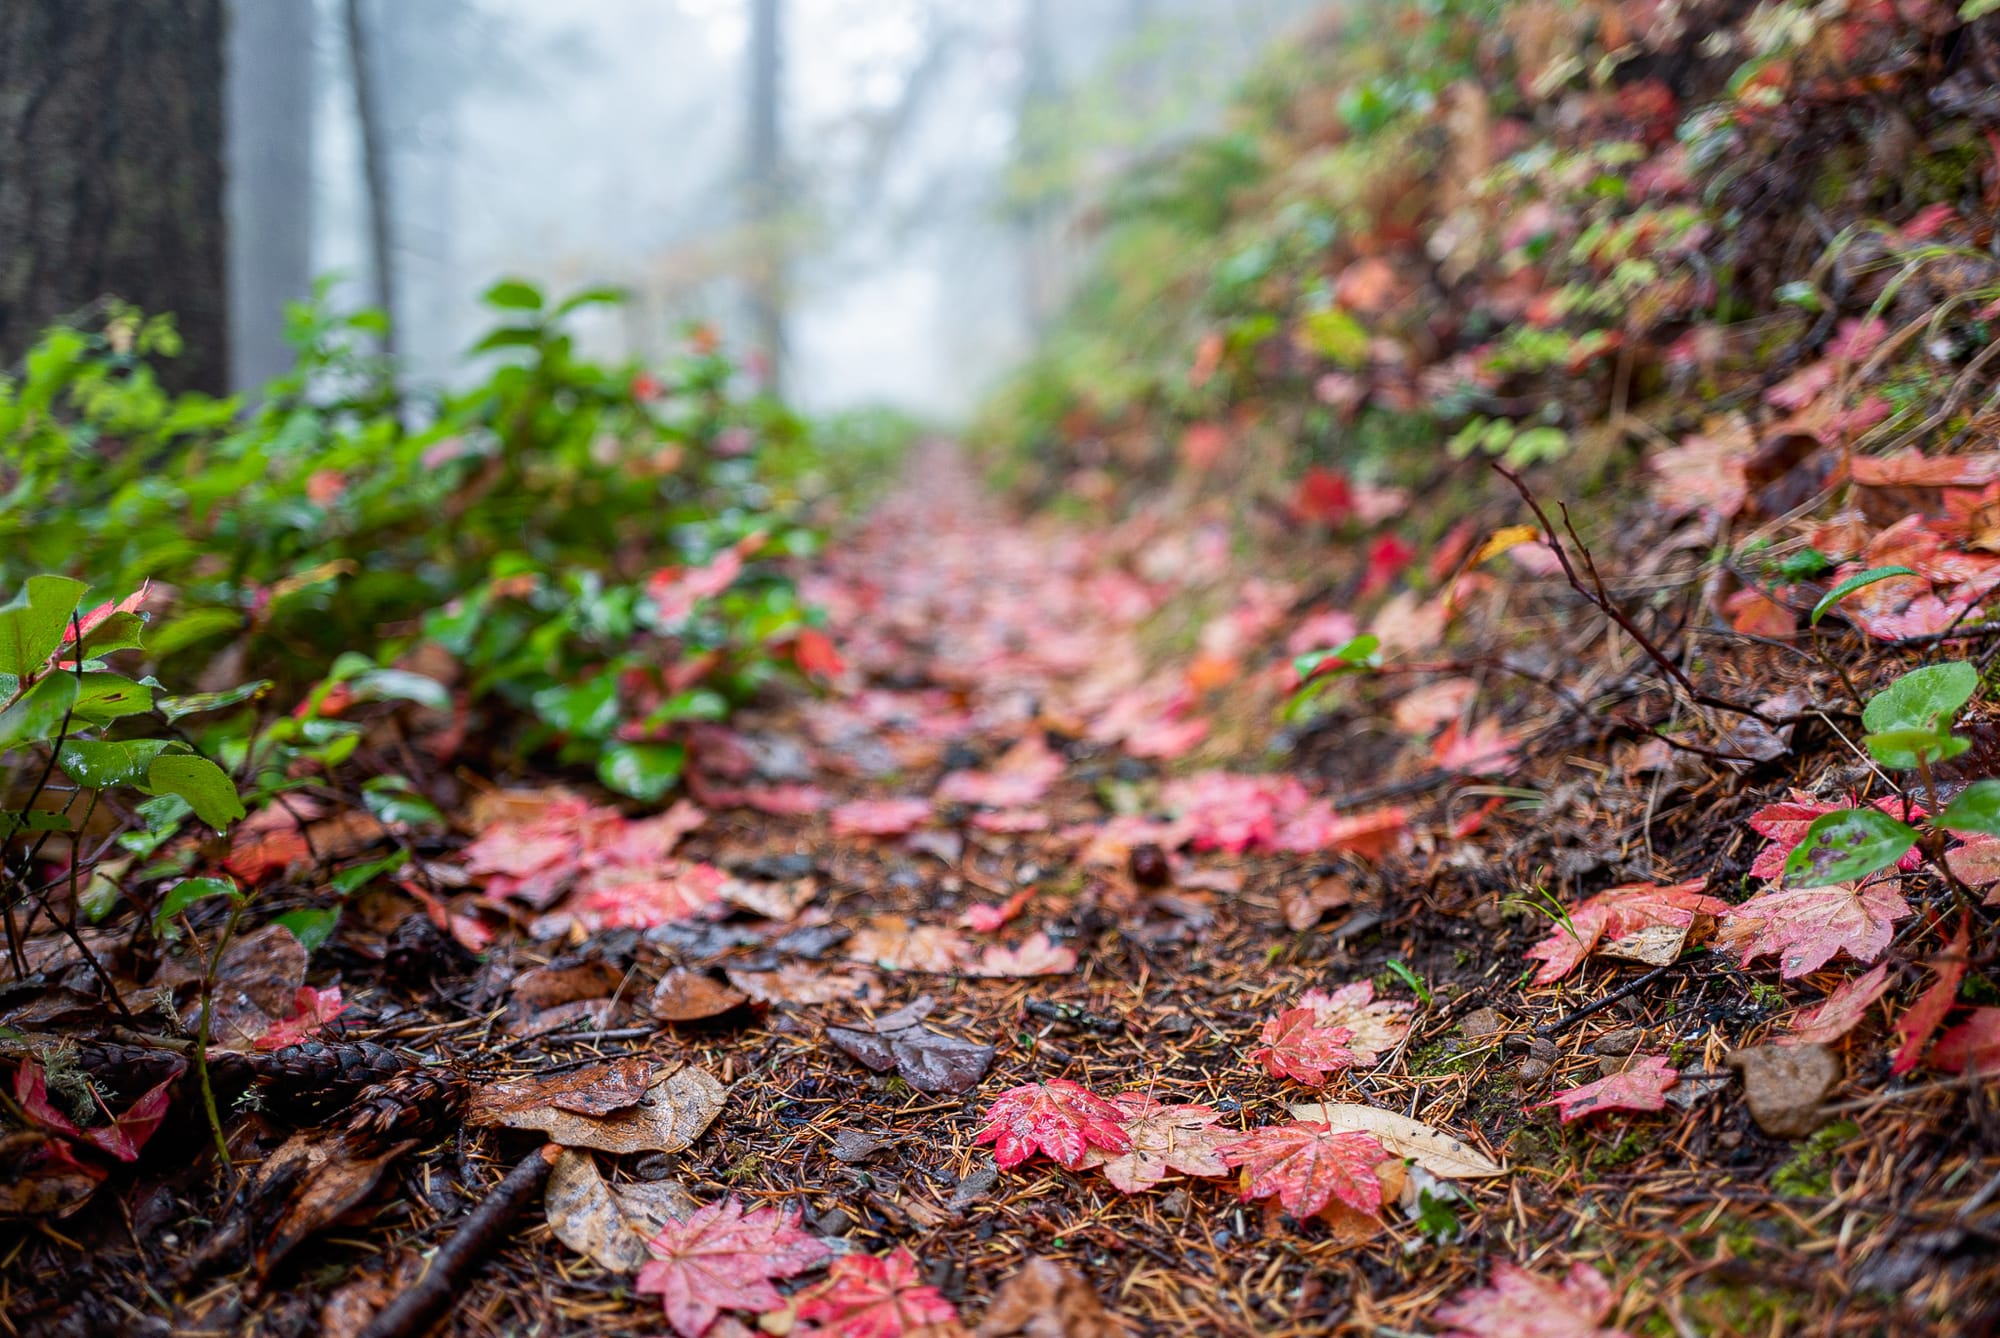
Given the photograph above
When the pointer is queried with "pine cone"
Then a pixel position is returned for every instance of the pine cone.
(410, 1105)
(316, 1073)
(417, 950)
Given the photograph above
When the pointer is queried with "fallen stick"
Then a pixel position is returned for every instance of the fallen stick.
(443, 1283)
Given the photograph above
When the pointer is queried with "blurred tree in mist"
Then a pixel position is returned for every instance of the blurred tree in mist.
(111, 171)
(271, 91)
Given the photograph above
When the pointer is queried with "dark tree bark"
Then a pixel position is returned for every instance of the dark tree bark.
(111, 134)
(271, 95)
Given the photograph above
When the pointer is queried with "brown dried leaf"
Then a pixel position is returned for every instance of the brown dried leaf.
(1047, 1300)
(684, 996)
(797, 983)
(669, 1118)
(609, 1223)
(597, 1090)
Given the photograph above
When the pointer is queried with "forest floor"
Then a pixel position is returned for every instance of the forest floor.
(987, 821)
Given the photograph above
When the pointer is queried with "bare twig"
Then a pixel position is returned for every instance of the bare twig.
(443, 1282)
(1596, 595)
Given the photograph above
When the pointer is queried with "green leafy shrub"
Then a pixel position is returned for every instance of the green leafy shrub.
(519, 523)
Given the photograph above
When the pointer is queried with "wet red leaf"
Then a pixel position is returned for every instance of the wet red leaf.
(870, 1296)
(1308, 1166)
(723, 1258)
(1296, 1046)
(1520, 1304)
(1058, 1117)
(1643, 1086)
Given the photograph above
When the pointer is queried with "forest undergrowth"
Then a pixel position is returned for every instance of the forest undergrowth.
(1431, 766)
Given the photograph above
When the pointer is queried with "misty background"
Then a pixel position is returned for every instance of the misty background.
(894, 192)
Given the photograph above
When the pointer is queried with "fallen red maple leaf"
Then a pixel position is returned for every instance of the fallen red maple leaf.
(1520, 1304)
(1917, 1026)
(1166, 1140)
(1038, 955)
(722, 1258)
(1808, 926)
(1296, 1046)
(1619, 913)
(879, 817)
(1643, 1086)
(1839, 1013)
(1973, 1046)
(1785, 824)
(1308, 1165)
(1484, 750)
(866, 1296)
(1059, 1117)
(1373, 1027)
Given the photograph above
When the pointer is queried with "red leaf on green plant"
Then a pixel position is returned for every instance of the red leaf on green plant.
(1374, 1027)
(312, 1010)
(1618, 913)
(1840, 1011)
(1971, 1047)
(1643, 1086)
(1296, 1046)
(1307, 1165)
(1917, 1026)
(814, 653)
(880, 817)
(1166, 1141)
(865, 1296)
(1520, 1304)
(722, 1258)
(1058, 1117)
(1807, 927)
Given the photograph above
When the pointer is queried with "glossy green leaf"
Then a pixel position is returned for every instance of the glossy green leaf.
(1923, 699)
(513, 295)
(199, 703)
(104, 697)
(310, 926)
(645, 771)
(1908, 749)
(583, 710)
(391, 684)
(1363, 652)
(32, 626)
(32, 820)
(119, 631)
(38, 714)
(204, 785)
(396, 802)
(1850, 585)
(1977, 809)
(1847, 845)
(185, 894)
(101, 764)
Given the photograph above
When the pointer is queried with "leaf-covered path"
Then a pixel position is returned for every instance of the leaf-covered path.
(1004, 948)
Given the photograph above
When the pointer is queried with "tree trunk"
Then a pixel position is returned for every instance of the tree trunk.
(374, 169)
(766, 188)
(271, 97)
(111, 183)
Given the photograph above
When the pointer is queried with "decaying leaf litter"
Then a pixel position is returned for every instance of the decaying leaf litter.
(1607, 955)
(930, 1049)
